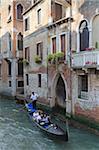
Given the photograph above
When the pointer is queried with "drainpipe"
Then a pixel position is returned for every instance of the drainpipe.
(47, 74)
(70, 42)
(70, 52)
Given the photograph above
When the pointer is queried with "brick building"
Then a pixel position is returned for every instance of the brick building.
(47, 34)
(59, 58)
(85, 59)
(11, 46)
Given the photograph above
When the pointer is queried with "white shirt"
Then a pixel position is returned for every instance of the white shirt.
(38, 118)
(34, 97)
(35, 114)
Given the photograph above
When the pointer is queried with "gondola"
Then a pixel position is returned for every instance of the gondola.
(52, 130)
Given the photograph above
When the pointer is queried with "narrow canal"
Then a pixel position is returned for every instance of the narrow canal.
(17, 133)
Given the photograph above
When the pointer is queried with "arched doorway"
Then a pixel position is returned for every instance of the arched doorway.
(59, 91)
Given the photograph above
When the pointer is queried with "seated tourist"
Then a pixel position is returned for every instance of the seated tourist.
(45, 119)
(35, 114)
(38, 118)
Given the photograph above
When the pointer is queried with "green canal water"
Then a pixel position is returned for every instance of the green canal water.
(18, 133)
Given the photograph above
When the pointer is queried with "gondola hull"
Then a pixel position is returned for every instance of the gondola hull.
(51, 129)
(53, 132)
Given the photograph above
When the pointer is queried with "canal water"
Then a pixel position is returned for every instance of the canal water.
(18, 133)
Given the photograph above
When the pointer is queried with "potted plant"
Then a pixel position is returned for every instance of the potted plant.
(38, 59)
(49, 58)
(96, 45)
(59, 56)
(56, 57)
(25, 62)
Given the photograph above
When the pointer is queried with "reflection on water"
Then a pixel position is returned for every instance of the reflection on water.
(17, 133)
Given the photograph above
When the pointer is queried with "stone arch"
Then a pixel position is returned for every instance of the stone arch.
(9, 41)
(19, 11)
(83, 35)
(19, 41)
(78, 34)
(59, 91)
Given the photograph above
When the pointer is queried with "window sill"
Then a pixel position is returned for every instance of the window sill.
(9, 76)
(20, 76)
(38, 26)
(21, 20)
(81, 99)
(26, 30)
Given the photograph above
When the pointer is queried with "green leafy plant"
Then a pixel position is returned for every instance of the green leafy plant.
(96, 45)
(49, 57)
(38, 59)
(59, 55)
(25, 62)
(56, 57)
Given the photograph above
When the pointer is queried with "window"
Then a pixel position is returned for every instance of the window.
(39, 80)
(0, 70)
(20, 68)
(20, 83)
(39, 16)
(54, 45)
(34, 1)
(27, 53)
(26, 24)
(40, 50)
(58, 11)
(27, 79)
(84, 35)
(9, 68)
(20, 41)
(0, 20)
(9, 9)
(63, 44)
(0, 45)
(9, 37)
(83, 86)
(19, 11)
(9, 83)
(95, 32)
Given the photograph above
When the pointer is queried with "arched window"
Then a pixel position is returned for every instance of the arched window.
(19, 11)
(20, 41)
(9, 37)
(83, 35)
(95, 32)
(20, 67)
(9, 9)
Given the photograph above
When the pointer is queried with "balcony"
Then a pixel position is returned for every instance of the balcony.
(19, 54)
(86, 59)
(7, 54)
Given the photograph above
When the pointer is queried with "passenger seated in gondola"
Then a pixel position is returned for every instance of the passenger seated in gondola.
(38, 118)
(35, 114)
(45, 120)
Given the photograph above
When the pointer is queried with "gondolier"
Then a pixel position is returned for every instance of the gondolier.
(34, 97)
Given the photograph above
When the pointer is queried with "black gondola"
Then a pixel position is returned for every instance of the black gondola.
(51, 129)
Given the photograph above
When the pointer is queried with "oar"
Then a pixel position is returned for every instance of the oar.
(25, 104)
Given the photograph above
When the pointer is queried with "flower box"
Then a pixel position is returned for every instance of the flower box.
(89, 48)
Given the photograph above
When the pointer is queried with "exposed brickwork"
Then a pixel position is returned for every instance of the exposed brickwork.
(92, 114)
